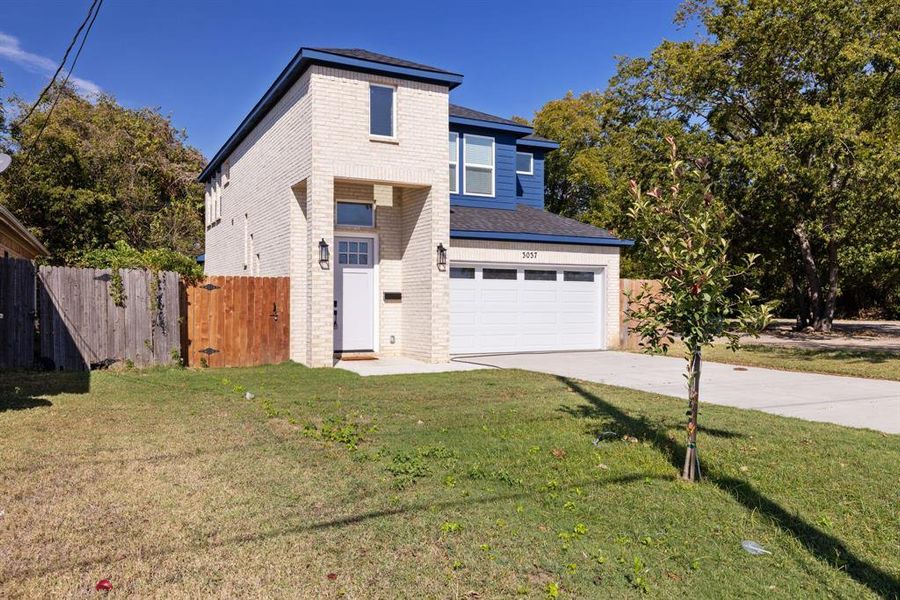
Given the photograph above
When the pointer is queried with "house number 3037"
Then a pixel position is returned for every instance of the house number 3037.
(529, 254)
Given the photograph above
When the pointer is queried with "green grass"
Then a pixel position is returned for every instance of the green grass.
(481, 484)
(854, 363)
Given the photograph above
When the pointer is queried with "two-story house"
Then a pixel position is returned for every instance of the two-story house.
(408, 226)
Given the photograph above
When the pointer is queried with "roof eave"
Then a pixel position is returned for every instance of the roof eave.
(521, 129)
(13, 223)
(546, 144)
(539, 237)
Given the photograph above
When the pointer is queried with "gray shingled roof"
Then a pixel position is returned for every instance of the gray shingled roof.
(536, 138)
(469, 113)
(524, 219)
(381, 58)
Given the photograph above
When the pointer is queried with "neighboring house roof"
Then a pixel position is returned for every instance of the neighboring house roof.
(351, 59)
(14, 233)
(526, 223)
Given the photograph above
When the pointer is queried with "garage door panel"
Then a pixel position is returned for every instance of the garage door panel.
(511, 315)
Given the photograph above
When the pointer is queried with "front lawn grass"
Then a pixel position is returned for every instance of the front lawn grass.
(483, 484)
(871, 364)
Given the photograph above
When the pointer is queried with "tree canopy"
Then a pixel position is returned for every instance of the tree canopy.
(101, 173)
(797, 104)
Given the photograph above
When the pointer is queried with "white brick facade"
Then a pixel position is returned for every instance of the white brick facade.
(313, 148)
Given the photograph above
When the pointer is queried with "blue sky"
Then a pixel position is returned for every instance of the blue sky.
(206, 62)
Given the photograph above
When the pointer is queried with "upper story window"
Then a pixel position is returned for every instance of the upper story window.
(524, 163)
(478, 159)
(454, 162)
(355, 214)
(382, 110)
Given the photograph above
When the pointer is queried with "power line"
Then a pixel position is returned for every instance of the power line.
(62, 87)
(63, 62)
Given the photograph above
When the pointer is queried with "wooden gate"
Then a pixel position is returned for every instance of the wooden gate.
(238, 321)
(17, 313)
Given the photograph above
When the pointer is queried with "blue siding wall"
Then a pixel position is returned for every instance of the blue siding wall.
(507, 186)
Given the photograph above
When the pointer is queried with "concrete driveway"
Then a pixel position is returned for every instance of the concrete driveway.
(851, 401)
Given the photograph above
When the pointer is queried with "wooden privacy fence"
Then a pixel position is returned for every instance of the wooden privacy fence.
(17, 313)
(82, 326)
(238, 321)
(628, 339)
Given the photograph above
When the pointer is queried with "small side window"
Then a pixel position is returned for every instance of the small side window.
(524, 163)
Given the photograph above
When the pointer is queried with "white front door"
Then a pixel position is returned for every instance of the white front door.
(354, 295)
(519, 309)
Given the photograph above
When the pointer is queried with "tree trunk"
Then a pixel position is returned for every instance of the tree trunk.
(802, 300)
(812, 275)
(691, 471)
(827, 317)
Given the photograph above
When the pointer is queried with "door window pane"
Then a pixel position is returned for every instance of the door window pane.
(498, 274)
(578, 275)
(462, 273)
(533, 275)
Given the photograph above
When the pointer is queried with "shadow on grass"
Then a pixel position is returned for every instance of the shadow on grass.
(23, 390)
(354, 519)
(824, 547)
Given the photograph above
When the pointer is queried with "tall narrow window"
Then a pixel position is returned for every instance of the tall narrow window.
(207, 204)
(454, 162)
(381, 110)
(478, 175)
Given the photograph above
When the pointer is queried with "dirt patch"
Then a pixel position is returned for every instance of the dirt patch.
(881, 336)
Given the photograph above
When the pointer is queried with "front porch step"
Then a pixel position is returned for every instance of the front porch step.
(355, 356)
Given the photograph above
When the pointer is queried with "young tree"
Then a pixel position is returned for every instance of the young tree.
(682, 228)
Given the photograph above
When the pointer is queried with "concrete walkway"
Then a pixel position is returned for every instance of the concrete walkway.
(401, 366)
(851, 401)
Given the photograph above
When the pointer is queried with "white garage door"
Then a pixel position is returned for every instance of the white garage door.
(518, 309)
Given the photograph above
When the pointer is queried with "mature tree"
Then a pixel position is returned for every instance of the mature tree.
(97, 173)
(683, 227)
(803, 100)
(604, 142)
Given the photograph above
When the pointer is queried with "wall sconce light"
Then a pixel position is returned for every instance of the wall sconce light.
(441, 256)
(323, 253)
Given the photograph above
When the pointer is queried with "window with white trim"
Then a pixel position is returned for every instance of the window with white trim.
(478, 161)
(454, 162)
(524, 163)
(382, 110)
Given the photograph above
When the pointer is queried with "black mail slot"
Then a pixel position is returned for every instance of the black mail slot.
(392, 295)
